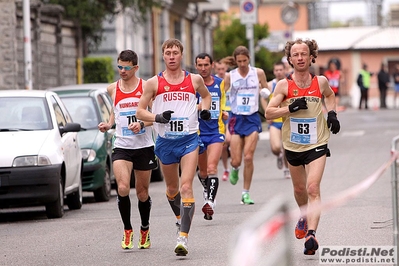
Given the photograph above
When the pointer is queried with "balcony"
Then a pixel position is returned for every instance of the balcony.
(196, 1)
(214, 6)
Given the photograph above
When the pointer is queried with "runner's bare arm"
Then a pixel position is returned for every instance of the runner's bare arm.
(150, 88)
(104, 126)
(329, 96)
(273, 109)
(203, 91)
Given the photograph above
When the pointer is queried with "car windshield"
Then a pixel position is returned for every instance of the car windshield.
(83, 111)
(24, 113)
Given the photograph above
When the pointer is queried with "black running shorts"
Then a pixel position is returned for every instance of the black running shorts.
(303, 158)
(142, 159)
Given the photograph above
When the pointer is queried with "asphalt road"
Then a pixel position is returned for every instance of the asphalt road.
(92, 235)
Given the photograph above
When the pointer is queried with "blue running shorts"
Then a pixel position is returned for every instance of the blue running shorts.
(244, 125)
(209, 139)
(170, 151)
(277, 125)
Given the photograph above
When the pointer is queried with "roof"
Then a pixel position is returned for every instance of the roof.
(353, 38)
(86, 86)
(79, 89)
(23, 93)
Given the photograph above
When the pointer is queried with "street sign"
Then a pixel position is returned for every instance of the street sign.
(248, 12)
(290, 13)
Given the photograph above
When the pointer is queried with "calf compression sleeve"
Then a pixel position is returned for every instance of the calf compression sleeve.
(174, 202)
(144, 210)
(124, 207)
(187, 214)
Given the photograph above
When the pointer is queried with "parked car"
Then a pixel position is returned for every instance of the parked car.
(40, 162)
(89, 104)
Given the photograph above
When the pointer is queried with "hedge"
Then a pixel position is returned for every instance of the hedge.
(98, 70)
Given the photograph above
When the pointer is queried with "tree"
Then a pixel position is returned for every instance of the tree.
(90, 14)
(231, 33)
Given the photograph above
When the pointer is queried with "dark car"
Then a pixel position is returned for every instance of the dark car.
(90, 104)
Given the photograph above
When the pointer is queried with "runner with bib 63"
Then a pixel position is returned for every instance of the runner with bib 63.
(305, 132)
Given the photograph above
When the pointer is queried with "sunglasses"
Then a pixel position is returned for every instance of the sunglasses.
(127, 68)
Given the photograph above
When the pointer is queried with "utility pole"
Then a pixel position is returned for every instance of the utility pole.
(249, 17)
(27, 45)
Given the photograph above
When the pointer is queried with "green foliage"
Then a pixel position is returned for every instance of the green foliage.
(227, 38)
(98, 70)
(90, 14)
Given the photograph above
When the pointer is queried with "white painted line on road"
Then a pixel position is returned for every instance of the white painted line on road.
(264, 135)
(355, 133)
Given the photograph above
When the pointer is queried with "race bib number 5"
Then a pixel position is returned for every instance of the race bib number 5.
(215, 110)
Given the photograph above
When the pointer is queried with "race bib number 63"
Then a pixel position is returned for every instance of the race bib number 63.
(303, 130)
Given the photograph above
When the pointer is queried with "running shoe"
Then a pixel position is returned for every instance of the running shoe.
(205, 194)
(301, 228)
(181, 248)
(280, 161)
(245, 199)
(233, 176)
(127, 240)
(311, 245)
(207, 209)
(144, 239)
(178, 227)
(225, 175)
(287, 174)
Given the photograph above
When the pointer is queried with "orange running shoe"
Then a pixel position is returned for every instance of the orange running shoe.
(301, 228)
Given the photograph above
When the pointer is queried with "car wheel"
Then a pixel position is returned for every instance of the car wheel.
(132, 180)
(56, 209)
(75, 199)
(156, 175)
(104, 193)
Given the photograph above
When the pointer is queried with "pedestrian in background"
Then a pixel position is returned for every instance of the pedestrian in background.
(395, 76)
(363, 81)
(333, 74)
(383, 85)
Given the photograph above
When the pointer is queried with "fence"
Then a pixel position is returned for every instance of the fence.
(273, 220)
(56, 45)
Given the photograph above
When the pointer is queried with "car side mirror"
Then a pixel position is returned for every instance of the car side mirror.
(69, 127)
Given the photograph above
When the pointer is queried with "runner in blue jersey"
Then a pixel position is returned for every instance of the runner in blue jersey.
(211, 133)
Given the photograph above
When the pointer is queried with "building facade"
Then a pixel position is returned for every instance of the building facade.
(54, 43)
(190, 21)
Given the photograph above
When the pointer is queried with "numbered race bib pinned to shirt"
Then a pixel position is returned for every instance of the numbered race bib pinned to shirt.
(303, 130)
(125, 119)
(177, 127)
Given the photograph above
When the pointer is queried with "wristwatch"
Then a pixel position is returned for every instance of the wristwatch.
(141, 124)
